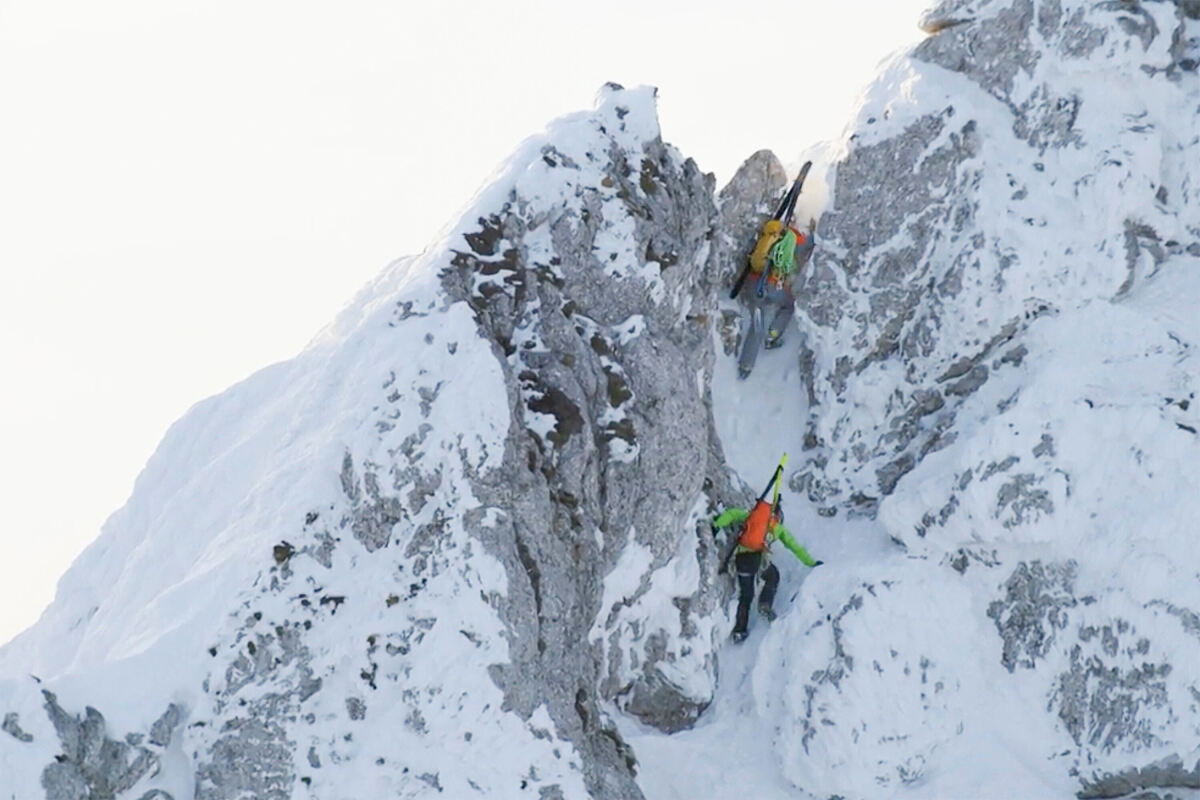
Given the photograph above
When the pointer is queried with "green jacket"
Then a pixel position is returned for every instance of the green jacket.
(776, 531)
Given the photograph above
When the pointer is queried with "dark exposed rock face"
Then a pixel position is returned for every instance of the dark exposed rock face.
(12, 726)
(742, 208)
(263, 686)
(591, 286)
(533, 419)
(992, 48)
(1102, 704)
(901, 317)
(911, 288)
(1152, 782)
(952, 268)
(610, 360)
(1033, 608)
(93, 766)
(591, 283)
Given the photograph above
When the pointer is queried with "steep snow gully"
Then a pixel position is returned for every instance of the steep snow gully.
(459, 547)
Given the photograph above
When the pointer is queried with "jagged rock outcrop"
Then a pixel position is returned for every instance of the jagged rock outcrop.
(451, 547)
(12, 726)
(599, 308)
(994, 278)
(923, 270)
(94, 766)
(469, 524)
(589, 280)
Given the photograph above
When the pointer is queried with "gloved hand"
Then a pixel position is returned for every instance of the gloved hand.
(818, 563)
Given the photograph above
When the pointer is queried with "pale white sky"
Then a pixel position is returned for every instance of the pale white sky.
(190, 190)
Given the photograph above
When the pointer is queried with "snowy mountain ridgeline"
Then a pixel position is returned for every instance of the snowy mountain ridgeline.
(459, 547)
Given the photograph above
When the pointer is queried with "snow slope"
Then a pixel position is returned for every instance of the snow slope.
(183, 571)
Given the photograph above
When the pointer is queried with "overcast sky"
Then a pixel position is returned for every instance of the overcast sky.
(190, 190)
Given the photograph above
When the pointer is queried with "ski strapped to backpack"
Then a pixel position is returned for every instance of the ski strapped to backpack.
(783, 213)
(754, 530)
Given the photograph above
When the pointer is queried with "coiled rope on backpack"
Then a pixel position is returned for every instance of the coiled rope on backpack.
(783, 253)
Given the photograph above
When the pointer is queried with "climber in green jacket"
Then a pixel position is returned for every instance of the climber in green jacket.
(760, 526)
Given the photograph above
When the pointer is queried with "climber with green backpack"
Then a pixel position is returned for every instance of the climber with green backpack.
(776, 260)
(759, 527)
(778, 255)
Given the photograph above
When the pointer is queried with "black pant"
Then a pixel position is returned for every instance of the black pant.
(747, 565)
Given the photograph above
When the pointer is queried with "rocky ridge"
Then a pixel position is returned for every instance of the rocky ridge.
(392, 595)
(521, 458)
(1014, 209)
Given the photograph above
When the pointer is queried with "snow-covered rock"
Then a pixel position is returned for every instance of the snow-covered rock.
(1003, 376)
(459, 546)
(437, 551)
